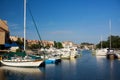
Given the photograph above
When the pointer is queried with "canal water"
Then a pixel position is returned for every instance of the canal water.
(87, 67)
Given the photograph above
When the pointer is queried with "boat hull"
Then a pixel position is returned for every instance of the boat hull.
(52, 60)
(22, 64)
(112, 56)
(101, 52)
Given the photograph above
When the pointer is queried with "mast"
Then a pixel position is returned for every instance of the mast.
(101, 41)
(24, 25)
(110, 31)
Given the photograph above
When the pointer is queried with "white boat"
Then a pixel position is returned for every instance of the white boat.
(22, 62)
(111, 54)
(27, 61)
(101, 52)
(65, 56)
(117, 52)
(69, 52)
(118, 55)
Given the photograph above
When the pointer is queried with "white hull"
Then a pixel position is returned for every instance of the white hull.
(65, 56)
(22, 63)
(101, 52)
(118, 55)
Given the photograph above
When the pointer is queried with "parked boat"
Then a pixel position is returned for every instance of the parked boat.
(22, 61)
(65, 56)
(111, 54)
(52, 60)
(118, 56)
(101, 52)
(26, 61)
(69, 52)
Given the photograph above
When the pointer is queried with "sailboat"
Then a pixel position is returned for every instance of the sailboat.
(111, 54)
(102, 51)
(26, 61)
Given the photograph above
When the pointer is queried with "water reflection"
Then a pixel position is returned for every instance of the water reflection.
(69, 69)
(100, 59)
(2, 76)
(16, 73)
(63, 71)
(107, 69)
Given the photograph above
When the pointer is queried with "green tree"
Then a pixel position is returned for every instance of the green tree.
(115, 42)
(55, 44)
(86, 43)
(19, 42)
(58, 45)
(105, 44)
(35, 46)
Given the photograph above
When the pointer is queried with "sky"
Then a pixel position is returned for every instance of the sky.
(63, 20)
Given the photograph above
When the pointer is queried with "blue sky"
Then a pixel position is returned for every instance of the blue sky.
(64, 20)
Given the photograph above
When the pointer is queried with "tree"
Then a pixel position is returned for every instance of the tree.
(34, 46)
(19, 42)
(58, 45)
(115, 42)
(55, 44)
(105, 44)
(86, 43)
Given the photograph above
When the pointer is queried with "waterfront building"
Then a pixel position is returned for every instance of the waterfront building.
(31, 42)
(15, 38)
(67, 44)
(44, 42)
(50, 43)
(4, 32)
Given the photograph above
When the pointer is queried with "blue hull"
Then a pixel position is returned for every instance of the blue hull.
(50, 61)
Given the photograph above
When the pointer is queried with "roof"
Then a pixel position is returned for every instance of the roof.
(11, 45)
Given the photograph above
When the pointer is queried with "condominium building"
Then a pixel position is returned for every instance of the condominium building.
(15, 38)
(67, 44)
(44, 42)
(4, 32)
